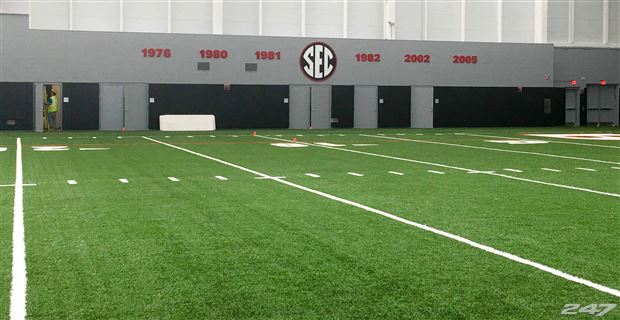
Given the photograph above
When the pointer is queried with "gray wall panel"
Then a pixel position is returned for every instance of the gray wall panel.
(321, 100)
(299, 107)
(116, 58)
(422, 107)
(110, 106)
(365, 107)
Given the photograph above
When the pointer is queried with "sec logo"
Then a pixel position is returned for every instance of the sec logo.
(318, 61)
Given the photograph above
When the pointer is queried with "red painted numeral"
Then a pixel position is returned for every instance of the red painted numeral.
(268, 55)
(368, 57)
(156, 52)
(213, 54)
(465, 59)
(418, 58)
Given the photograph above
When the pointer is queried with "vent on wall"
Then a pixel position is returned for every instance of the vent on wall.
(251, 67)
(204, 66)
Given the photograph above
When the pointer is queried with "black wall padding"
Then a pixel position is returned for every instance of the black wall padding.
(82, 110)
(243, 107)
(497, 106)
(395, 111)
(16, 104)
(342, 106)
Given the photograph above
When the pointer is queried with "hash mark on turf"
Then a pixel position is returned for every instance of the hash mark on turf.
(221, 178)
(585, 169)
(512, 170)
(434, 171)
(313, 175)
(173, 179)
(396, 173)
(552, 170)
(355, 174)
(71, 182)
(123, 180)
(263, 178)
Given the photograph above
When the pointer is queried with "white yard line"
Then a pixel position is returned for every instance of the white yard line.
(554, 141)
(218, 177)
(491, 173)
(71, 182)
(492, 149)
(93, 149)
(313, 175)
(355, 174)
(173, 179)
(512, 170)
(552, 170)
(436, 172)
(19, 280)
(396, 173)
(266, 178)
(585, 169)
(617, 168)
(23, 185)
(509, 256)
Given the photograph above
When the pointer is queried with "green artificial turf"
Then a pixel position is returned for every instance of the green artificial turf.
(246, 248)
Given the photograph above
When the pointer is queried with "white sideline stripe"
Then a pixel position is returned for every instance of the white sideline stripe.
(437, 172)
(266, 178)
(23, 185)
(491, 173)
(617, 168)
(552, 170)
(509, 256)
(554, 141)
(71, 182)
(123, 180)
(313, 175)
(173, 179)
(585, 169)
(19, 279)
(217, 177)
(512, 170)
(355, 174)
(494, 149)
(396, 173)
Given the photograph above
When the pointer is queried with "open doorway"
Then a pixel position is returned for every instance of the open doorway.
(52, 107)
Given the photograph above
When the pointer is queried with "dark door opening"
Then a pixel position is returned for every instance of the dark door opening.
(80, 103)
(394, 107)
(342, 106)
(583, 107)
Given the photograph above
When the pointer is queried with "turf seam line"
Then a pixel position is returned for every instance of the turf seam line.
(492, 149)
(19, 278)
(509, 256)
(491, 173)
(553, 141)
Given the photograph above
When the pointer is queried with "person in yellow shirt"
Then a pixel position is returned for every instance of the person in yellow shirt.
(52, 108)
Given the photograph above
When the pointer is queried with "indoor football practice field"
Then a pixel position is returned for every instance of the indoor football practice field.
(312, 224)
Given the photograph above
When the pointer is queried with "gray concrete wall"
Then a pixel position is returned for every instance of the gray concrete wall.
(73, 56)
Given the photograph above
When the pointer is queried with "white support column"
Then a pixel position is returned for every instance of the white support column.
(260, 17)
(500, 20)
(345, 18)
(389, 14)
(169, 16)
(70, 14)
(605, 22)
(121, 15)
(425, 20)
(303, 18)
(462, 28)
(571, 21)
(218, 16)
(540, 21)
